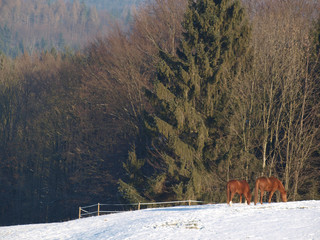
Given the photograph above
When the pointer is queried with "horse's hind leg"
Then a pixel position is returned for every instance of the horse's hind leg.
(228, 196)
(261, 195)
(240, 198)
(231, 197)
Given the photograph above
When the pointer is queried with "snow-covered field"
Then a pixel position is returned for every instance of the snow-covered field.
(291, 220)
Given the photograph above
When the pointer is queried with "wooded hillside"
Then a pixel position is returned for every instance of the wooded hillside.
(191, 97)
(37, 25)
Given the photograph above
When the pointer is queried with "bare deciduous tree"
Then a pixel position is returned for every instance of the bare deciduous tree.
(284, 88)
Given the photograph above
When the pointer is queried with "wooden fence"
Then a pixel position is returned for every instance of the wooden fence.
(95, 209)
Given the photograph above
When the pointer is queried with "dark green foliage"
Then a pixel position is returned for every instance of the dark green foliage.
(191, 103)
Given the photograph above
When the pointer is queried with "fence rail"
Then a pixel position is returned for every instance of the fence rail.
(84, 211)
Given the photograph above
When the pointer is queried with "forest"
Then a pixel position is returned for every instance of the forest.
(114, 7)
(37, 25)
(190, 95)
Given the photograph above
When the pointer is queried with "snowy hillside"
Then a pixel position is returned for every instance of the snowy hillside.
(292, 220)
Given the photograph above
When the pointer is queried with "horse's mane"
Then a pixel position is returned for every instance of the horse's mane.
(281, 187)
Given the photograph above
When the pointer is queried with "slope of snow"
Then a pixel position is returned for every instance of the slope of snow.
(292, 220)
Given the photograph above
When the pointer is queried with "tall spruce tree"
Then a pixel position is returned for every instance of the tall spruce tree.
(190, 99)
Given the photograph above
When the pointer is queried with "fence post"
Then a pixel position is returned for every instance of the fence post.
(79, 212)
(189, 202)
(98, 209)
(139, 206)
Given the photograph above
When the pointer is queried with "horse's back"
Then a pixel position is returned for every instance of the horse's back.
(262, 179)
(233, 183)
(268, 183)
(238, 186)
(262, 183)
(245, 184)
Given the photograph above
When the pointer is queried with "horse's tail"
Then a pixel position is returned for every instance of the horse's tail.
(256, 192)
(228, 193)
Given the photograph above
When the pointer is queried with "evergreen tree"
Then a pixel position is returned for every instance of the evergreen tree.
(190, 99)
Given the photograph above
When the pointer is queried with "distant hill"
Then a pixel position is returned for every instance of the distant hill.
(117, 9)
(112, 5)
(37, 25)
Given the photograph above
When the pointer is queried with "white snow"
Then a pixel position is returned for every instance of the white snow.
(291, 220)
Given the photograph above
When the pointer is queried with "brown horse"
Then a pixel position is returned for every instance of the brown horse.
(271, 185)
(240, 187)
